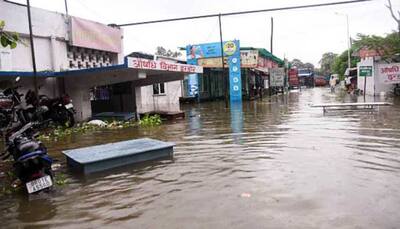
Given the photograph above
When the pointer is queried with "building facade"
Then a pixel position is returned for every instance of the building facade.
(85, 60)
(375, 75)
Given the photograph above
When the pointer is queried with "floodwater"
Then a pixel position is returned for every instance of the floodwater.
(276, 163)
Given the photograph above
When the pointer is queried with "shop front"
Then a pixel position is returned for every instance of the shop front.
(255, 65)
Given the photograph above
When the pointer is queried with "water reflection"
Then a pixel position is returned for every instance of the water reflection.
(298, 168)
(236, 120)
(35, 208)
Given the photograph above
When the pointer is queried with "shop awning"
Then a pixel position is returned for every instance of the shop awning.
(351, 71)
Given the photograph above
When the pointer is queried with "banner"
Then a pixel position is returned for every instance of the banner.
(193, 81)
(266, 63)
(214, 62)
(90, 34)
(249, 58)
(203, 51)
(389, 73)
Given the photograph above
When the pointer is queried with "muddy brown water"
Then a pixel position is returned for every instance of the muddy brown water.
(276, 163)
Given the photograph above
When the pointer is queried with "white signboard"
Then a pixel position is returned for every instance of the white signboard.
(139, 63)
(277, 77)
(389, 73)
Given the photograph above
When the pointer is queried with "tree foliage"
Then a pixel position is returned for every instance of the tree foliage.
(299, 64)
(388, 46)
(308, 65)
(7, 39)
(340, 64)
(161, 51)
(326, 62)
(296, 63)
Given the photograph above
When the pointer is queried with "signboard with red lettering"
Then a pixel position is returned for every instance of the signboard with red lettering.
(140, 63)
(389, 73)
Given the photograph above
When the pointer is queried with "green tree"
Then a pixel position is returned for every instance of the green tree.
(388, 47)
(7, 39)
(308, 66)
(296, 63)
(161, 51)
(326, 62)
(340, 63)
(299, 64)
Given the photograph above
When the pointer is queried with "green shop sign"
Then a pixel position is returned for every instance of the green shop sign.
(365, 71)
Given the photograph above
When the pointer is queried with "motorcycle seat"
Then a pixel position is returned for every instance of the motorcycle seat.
(31, 155)
(28, 146)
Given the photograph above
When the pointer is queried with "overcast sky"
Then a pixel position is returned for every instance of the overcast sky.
(304, 34)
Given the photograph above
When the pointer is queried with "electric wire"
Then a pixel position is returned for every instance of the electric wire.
(243, 12)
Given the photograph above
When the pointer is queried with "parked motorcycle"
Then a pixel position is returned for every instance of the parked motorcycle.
(11, 110)
(59, 110)
(6, 104)
(32, 164)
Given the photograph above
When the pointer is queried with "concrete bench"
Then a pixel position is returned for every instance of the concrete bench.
(346, 106)
(103, 157)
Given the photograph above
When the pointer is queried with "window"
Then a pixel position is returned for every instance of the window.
(159, 89)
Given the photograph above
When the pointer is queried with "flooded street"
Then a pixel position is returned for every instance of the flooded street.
(277, 163)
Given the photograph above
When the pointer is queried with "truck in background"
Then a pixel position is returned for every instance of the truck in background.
(293, 78)
(306, 77)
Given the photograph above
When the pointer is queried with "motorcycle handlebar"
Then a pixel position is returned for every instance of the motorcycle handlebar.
(5, 157)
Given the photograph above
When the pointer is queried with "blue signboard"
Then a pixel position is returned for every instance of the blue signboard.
(211, 50)
(193, 79)
(232, 50)
(203, 51)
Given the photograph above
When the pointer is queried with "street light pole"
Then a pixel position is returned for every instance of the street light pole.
(272, 34)
(348, 39)
(348, 43)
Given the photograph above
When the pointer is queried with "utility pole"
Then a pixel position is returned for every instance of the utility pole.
(272, 33)
(66, 7)
(32, 49)
(223, 62)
